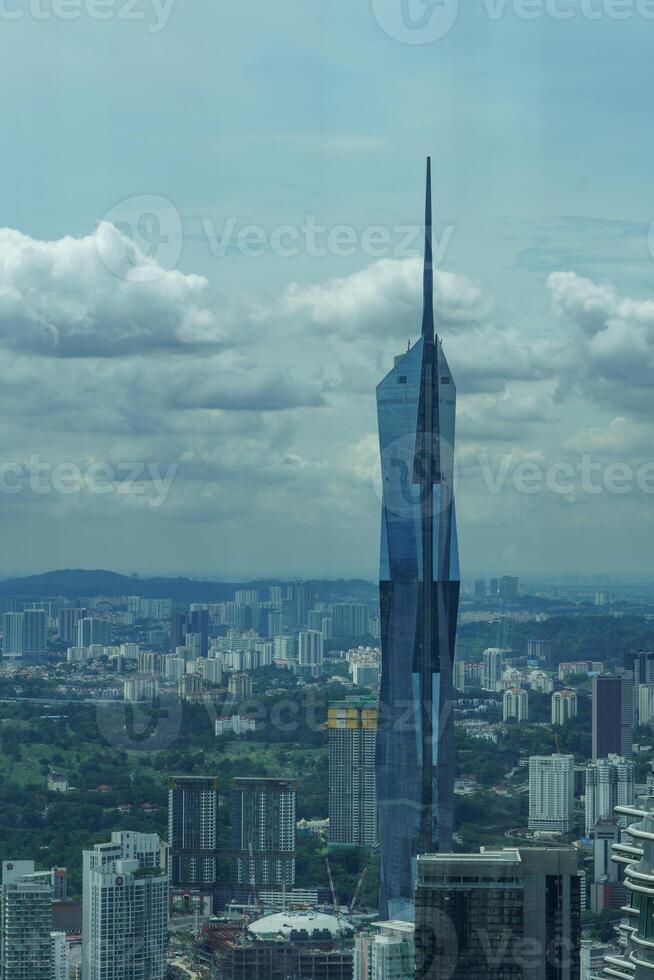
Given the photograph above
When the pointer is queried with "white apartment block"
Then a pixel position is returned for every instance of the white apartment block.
(551, 793)
(125, 909)
(610, 782)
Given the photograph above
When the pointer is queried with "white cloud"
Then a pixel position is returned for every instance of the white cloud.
(384, 299)
(60, 298)
(615, 351)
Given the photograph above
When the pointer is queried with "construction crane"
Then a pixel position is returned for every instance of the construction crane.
(357, 892)
(335, 901)
(331, 885)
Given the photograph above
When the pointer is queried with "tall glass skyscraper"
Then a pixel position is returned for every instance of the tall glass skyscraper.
(419, 595)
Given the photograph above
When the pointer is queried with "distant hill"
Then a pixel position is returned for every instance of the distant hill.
(77, 582)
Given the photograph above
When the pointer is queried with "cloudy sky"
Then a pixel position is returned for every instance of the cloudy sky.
(209, 254)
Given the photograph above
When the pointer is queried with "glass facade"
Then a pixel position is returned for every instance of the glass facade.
(419, 594)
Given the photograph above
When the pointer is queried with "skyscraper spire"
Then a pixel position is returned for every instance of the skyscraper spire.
(428, 275)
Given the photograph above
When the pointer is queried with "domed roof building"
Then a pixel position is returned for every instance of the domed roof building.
(309, 925)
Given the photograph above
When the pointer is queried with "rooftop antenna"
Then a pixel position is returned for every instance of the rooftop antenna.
(428, 273)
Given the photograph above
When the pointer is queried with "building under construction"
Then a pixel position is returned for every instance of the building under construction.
(285, 946)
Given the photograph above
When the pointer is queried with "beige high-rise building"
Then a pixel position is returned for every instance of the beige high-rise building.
(515, 704)
(352, 731)
(564, 706)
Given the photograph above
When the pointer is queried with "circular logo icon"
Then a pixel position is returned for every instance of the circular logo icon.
(402, 479)
(416, 21)
(141, 726)
(140, 239)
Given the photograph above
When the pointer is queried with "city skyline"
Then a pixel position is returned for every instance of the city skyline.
(326, 591)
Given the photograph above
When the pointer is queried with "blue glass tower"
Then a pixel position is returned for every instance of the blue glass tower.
(419, 596)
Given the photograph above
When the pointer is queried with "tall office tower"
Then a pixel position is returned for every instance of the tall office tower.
(13, 634)
(646, 704)
(509, 588)
(263, 831)
(315, 618)
(7, 604)
(286, 649)
(641, 665)
(477, 915)
(342, 616)
(276, 594)
(459, 674)
(197, 621)
(636, 853)
(160, 609)
(212, 671)
(564, 706)
(605, 835)
(305, 597)
(493, 665)
(360, 619)
(385, 952)
(289, 614)
(193, 831)
(91, 630)
(515, 704)
(174, 668)
(540, 651)
(310, 651)
(494, 587)
(177, 628)
(352, 731)
(552, 793)
(239, 687)
(194, 644)
(609, 783)
(613, 715)
(125, 909)
(69, 616)
(247, 597)
(275, 624)
(25, 923)
(35, 636)
(480, 588)
(419, 598)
